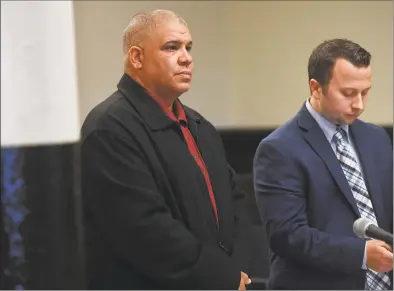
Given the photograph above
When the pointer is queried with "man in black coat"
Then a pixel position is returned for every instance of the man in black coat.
(161, 207)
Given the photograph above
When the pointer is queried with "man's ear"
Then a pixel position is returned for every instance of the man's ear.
(136, 56)
(316, 89)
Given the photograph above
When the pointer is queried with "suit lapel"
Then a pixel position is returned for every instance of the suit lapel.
(318, 141)
(363, 148)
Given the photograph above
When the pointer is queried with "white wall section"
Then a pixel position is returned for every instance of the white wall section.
(39, 102)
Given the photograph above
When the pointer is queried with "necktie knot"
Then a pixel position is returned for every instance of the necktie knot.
(340, 135)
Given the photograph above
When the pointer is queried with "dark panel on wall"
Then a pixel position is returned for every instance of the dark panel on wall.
(241, 145)
(40, 218)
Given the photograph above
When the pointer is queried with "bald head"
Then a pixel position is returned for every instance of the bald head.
(143, 23)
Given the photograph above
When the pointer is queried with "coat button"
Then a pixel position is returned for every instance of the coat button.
(221, 244)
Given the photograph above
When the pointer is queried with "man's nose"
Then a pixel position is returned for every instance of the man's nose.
(185, 58)
(358, 102)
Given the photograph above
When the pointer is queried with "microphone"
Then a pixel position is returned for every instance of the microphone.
(364, 228)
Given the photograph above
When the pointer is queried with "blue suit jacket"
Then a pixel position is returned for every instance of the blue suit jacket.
(308, 208)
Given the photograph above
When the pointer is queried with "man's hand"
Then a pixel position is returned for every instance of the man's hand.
(379, 256)
(244, 281)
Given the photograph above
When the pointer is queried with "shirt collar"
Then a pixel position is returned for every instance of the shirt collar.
(177, 114)
(327, 127)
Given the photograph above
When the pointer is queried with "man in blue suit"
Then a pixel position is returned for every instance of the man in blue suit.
(319, 172)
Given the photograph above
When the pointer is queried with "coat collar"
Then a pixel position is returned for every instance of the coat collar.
(147, 107)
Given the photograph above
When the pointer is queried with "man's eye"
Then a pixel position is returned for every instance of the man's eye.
(348, 94)
(171, 48)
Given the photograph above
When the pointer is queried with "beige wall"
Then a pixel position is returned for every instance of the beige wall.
(250, 57)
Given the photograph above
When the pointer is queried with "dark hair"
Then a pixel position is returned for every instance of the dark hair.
(323, 57)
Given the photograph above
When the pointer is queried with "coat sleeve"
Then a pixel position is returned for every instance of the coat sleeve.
(247, 247)
(127, 208)
(242, 217)
(281, 198)
(385, 163)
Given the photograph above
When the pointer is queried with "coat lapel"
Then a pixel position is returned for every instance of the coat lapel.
(318, 141)
(363, 148)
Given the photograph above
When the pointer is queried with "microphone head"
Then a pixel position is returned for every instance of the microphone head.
(360, 226)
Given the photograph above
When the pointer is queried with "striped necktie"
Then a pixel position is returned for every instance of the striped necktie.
(374, 280)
